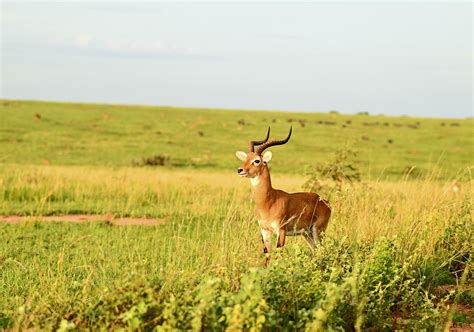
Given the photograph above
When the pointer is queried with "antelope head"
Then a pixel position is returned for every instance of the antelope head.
(254, 162)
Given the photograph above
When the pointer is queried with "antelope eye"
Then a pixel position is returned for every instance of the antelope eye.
(256, 161)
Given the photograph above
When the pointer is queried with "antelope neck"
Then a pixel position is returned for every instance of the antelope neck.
(261, 186)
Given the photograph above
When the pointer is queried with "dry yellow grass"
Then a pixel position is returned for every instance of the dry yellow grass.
(413, 210)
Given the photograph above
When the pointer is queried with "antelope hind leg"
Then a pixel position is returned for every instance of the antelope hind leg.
(281, 237)
(319, 228)
(310, 238)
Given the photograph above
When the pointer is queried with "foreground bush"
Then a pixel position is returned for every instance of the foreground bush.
(337, 287)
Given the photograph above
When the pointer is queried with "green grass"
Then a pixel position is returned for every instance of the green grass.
(115, 135)
(397, 252)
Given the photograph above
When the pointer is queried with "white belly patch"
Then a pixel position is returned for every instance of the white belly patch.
(273, 226)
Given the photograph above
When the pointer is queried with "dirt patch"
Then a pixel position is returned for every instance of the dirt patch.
(79, 218)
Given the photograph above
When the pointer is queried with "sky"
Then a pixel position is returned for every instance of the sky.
(394, 58)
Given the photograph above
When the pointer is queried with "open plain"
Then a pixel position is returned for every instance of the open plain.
(397, 253)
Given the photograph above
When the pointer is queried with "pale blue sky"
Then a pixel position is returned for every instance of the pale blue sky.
(411, 58)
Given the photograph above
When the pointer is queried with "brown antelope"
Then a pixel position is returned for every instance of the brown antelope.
(279, 212)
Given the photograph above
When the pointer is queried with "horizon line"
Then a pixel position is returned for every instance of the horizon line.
(331, 111)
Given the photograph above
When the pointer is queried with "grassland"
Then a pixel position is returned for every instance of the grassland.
(87, 134)
(397, 253)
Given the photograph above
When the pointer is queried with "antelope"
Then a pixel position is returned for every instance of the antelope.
(278, 212)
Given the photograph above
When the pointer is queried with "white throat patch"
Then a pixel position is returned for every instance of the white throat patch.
(255, 181)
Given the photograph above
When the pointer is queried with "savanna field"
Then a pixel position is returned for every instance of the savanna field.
(397, 254)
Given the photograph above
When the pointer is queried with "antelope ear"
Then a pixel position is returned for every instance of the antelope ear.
(267, 156)
(241, 155)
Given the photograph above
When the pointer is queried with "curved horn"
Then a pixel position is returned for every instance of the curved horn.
(253, 143)
(262, 147)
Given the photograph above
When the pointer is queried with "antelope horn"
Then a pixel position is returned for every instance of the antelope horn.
(262, 147)
(253, 143)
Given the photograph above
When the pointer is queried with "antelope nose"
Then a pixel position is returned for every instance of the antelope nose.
(240, 170)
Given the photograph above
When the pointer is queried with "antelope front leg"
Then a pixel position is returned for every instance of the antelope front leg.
(267, 242)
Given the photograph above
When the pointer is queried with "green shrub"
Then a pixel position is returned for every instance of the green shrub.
(339, 286)
(456, 241)
(327, 177)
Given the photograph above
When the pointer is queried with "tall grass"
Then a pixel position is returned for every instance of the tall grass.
(389, 248)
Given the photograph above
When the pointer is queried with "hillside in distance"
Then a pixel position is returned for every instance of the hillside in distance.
(35, 132)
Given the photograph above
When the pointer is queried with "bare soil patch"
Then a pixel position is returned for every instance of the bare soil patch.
(79, 218)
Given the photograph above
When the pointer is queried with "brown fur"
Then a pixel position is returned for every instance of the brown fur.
(280, 212)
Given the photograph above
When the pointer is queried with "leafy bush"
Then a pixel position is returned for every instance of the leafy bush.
(457, 240)
(342, 285)
(336, 287)
(157, 160)
(331, 176)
